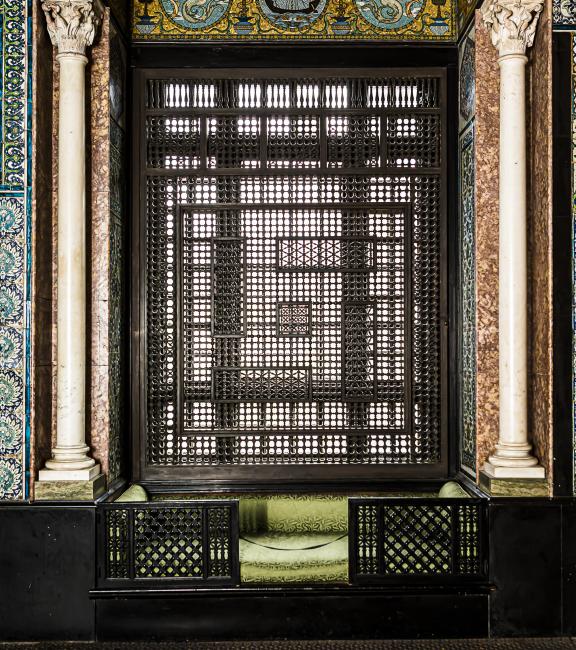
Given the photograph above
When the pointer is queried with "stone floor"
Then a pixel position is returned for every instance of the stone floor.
(464, 644)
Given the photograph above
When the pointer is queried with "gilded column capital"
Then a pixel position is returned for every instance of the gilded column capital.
(512, 24)
(72, 24)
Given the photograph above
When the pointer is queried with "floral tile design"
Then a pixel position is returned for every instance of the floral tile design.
(15, 116)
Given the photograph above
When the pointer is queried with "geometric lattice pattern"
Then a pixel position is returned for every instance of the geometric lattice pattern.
(293, 270)
(168, 543)
(416, 537)
(158, 542)
(117, 545)
(417, 540)
(367, 556)
(294, 319)
(468, 552)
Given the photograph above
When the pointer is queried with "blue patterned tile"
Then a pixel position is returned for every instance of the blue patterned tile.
(468, 299)
(12, 216)
(15, 228)
(11, 260)
(467, 78)
(14, 109)
(11, 303)
(10, 435)
(11, 390)
(11, 478)
(11, 347)
(467, 213)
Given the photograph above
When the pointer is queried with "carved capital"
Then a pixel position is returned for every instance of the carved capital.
(72, 24)
(512, 24)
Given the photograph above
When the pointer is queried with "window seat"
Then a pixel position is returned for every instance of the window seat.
(290, 538)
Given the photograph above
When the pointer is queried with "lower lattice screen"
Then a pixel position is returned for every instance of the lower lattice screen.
(293, 318)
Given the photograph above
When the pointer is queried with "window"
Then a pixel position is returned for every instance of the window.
(291, 274)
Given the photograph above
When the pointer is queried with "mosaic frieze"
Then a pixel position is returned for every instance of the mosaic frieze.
(294, 19)
(13, 95)
(464, 11)
(564, 13)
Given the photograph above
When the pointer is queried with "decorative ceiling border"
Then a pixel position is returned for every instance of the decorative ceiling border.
(293, 20)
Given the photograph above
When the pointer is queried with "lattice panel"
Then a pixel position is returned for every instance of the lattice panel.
(293, 141)
(367, 540)
(168, 543)
(353, 142)
(298, 91)
(219, 551)
(117, 544)
(413, 141)
(293, 274)
(395, 538)
(173, 142)
(196, 542)
(233, 141)
(417, 540)
(469, 561)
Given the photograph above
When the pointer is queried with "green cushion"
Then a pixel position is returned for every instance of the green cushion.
(453, 490)
(135, 493)
(261, 561)
(297, 513)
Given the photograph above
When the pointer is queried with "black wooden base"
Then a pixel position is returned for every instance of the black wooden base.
(285, 616)
(48, 589)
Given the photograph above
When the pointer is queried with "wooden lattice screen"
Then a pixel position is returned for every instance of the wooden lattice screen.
(290, 273)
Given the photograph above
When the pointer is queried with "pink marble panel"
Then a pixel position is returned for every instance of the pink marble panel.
(487, 144)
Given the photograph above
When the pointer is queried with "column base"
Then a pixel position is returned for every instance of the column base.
(69, 474)
(498, 471)
(55, 488)
(513, 486)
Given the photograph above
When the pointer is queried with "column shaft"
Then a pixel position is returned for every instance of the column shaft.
(513, 298)
(71, 448)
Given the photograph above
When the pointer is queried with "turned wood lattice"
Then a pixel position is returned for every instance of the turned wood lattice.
(291, 262)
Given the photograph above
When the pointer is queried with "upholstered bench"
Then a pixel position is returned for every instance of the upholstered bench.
(294, 538)
(291, 538)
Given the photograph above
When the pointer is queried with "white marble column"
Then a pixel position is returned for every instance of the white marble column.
(512, 25)
(72, 27)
